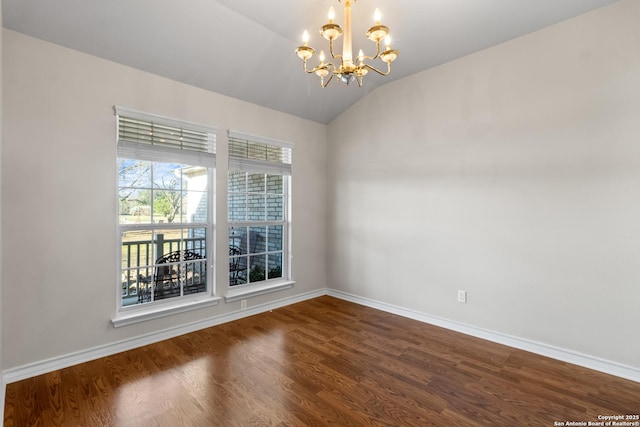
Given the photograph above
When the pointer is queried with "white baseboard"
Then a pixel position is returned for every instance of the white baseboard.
(38, 368)
(569, 356)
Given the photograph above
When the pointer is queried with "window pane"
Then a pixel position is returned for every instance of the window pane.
(134, 173)
(167, 206)
(137, 261)
(275, 265)
(137, 249)
(257, 268)
(237, 182)
(275, 237)
(180, 262)
(237, 264)
(134, 206)
(257, 239)
(238, 240)
(195, 206)
(255, 207)
(167, 176)
(195, 240)
(170, 241)
(194, 197)
(256, 183)
(166, 280)
(195, 278)
(275, 184)
(237, 207)
(275, 208)
(165, 241)
(195, 178)
(237, 270)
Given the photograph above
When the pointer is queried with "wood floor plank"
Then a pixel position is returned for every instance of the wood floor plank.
(320, 362)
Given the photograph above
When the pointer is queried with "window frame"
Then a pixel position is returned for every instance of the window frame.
(185, 157)
(268, 166)
(249, 223)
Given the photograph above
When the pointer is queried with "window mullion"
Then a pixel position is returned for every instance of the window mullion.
(151, 192)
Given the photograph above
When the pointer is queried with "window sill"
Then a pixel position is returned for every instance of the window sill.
(253, 291)
(162, 310)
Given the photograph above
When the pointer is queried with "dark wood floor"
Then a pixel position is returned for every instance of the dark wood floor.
(320, 362)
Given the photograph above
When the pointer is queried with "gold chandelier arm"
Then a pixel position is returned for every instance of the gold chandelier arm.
(378, 71)
(371, 57)
(327, 66)
(377, 50)
(367, 57)
(334, 56)
(304, 67)
(323, 84)
(331, 69)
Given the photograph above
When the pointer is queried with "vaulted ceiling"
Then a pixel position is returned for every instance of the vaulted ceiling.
(245, 49)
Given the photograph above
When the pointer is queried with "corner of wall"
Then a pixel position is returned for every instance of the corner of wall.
(2, 384)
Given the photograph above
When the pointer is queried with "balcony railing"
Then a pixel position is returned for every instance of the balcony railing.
(140, 259)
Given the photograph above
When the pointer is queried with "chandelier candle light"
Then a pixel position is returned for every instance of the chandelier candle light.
(348, 70)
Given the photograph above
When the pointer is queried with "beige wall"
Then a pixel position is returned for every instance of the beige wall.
(59, 201)
(513, 174)
(1, 241)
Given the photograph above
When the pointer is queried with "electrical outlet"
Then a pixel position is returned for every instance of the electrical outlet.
(462, 296)
(243, 304)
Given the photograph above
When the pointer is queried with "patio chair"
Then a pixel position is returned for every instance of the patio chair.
(168, 277)
(237, 267)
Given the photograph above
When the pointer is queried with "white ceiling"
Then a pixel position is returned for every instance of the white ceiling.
(245, 49)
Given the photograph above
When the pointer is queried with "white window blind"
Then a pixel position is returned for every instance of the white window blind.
(155, 138)
(252, 153)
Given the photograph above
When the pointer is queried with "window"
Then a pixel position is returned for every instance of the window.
(165, 185)
(258, 192)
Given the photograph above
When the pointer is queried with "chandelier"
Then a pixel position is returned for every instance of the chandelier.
(346, 69)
